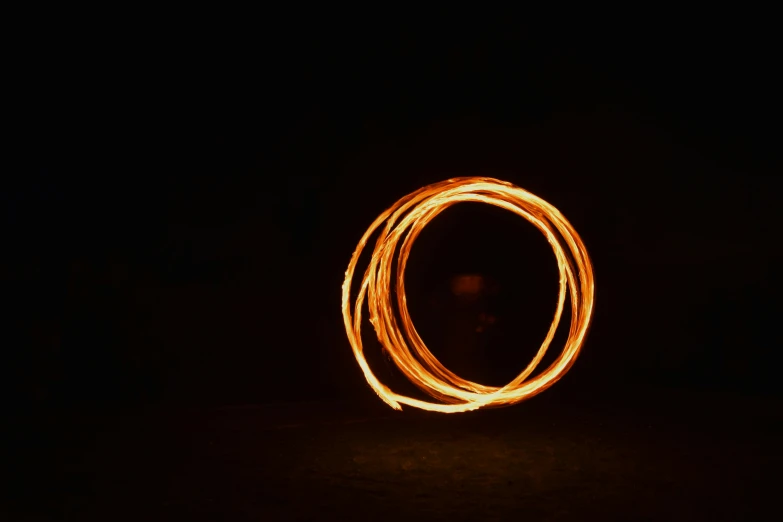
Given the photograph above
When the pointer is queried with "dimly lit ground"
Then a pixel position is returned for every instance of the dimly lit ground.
(684, 456)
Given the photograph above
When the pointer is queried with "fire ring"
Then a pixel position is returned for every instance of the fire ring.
(402, 223)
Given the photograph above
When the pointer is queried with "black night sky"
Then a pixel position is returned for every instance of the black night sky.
(177, 237)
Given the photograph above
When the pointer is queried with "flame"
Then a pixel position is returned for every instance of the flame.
(404, 221)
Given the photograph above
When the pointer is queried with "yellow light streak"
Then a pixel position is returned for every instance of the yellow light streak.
(399, 226)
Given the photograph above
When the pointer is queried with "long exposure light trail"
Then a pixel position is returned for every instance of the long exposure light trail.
(399, 226)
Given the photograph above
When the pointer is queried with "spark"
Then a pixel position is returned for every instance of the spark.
(399, 226)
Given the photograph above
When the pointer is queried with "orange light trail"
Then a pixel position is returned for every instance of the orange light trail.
(404, 221)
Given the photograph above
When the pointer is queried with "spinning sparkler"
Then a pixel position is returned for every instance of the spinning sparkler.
(403, 222)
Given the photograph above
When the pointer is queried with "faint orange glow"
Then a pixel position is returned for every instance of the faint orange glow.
(467, 284)
(404, 221)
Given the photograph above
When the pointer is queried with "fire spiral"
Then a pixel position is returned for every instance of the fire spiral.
(401, 224)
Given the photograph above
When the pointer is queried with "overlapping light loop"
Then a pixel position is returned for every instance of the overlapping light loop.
(399, 227)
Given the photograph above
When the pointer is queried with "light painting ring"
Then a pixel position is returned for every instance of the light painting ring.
(404, 221)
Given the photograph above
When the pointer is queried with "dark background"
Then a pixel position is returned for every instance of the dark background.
(185, 215)
(189, 196)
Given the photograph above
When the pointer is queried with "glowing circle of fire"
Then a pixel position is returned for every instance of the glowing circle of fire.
(404, 221)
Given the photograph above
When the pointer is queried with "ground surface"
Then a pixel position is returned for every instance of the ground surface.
(704, 457)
